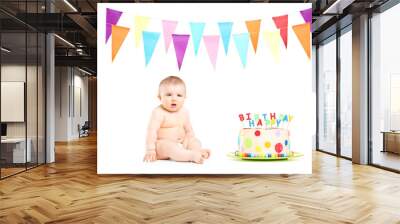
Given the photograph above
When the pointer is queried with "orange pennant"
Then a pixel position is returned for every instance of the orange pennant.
(253, 27)
(302, 32)
(118, 34)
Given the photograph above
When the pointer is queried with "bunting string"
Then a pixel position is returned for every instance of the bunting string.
(274, 38)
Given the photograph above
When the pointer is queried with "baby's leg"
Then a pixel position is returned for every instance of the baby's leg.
(195, 145)
(172, 150)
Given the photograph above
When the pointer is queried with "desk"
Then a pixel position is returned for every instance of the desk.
(391, 141)
(15, 148)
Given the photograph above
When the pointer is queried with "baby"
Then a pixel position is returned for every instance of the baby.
(170, 134)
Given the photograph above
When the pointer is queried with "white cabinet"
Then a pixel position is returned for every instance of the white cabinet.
(18, 149)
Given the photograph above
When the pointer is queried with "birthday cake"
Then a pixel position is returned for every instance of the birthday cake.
(264, 136)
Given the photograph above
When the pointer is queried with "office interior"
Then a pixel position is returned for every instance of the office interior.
(49, 92)
(45, 97)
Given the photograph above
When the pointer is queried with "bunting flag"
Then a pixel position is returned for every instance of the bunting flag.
(118, 34)
(112, 17)
(253, 27)
(302, 32)
(141, 22)
(197, 30)
(281, 22)
(307, 15)
(180, 44)
(212, 43)
(168, 28)
(272, 38)
(150, 40)
(225, 28)
(242, 45)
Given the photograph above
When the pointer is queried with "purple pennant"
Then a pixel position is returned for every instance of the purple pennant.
(307, 15)
(112, 17)
(180, 44)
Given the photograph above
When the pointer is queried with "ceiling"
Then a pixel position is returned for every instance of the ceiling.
(77, 23)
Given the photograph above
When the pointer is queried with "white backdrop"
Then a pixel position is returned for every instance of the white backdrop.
(127, 89)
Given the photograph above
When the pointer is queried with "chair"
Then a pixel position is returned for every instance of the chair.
(84, 130)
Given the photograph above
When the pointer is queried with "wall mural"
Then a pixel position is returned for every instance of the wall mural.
(204, 88)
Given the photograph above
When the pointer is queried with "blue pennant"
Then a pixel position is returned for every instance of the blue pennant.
(150, 40)
(225, 29)
(197, 33)
(242, 44)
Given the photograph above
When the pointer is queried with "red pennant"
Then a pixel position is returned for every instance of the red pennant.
(284, 35)
(281, 22)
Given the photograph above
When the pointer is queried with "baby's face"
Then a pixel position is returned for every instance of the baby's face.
(172, 97)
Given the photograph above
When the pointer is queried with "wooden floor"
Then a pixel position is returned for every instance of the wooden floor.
(70, 191)
(387, 159)
(5, 172)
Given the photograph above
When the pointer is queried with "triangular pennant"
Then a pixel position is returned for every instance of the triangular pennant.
(168, 29)
(118, 36)
(180, 44)
(281, 22)
(141, 22)
(242, 45)
(253, 27)
(197, 32)
(112, 17)
(273, 42)
(307, 15)
(108, 30)
(150, 40)
(284, 35)
(212, 43)
(225, 28)
(302, 32)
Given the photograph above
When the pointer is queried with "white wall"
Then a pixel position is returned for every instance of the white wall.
(80, 83)
(16, 73)
(62, 81)
(33, 127)
(70, 83)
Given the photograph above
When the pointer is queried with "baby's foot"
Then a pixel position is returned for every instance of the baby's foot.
(150, 156)
(205, 153)
(197, 157)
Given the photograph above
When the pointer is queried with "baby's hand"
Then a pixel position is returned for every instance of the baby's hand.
(150, 156)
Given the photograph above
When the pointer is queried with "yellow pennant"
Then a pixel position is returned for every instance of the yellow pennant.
(141, 23)
(273, 40)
